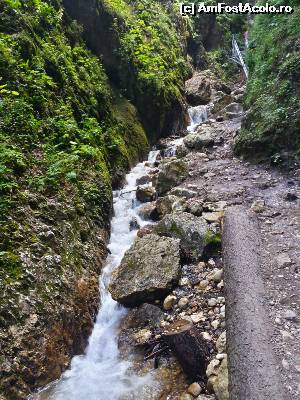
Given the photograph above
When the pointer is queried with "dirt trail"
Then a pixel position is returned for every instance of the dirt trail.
(274, 196)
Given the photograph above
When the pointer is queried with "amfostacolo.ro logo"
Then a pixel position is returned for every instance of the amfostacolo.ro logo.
(241, 8)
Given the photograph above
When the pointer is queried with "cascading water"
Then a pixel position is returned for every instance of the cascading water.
(100, 373)
(198, 115)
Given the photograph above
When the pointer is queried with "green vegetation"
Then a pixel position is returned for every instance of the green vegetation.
(58, 123)
(272, 98)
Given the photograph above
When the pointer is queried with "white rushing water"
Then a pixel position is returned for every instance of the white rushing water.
(100, 373)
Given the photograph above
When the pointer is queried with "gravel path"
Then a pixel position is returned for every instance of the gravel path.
(274, 196)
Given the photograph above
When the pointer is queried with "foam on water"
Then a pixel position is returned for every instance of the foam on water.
(100, 373)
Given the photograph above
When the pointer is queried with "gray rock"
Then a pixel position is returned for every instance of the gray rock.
(183, 192)
(145, 193)
(148, 271)
(194, 206)
(197, 141)
(198, 90)
(290, 315)
(143, 180)
(192, 231)
(164, 205)
(148, 212)
(133, 224)
(283, 260)
(172, 173)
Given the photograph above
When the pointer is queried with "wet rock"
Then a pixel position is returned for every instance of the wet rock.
(169, 302)
(143, 180)
(198, 90)
(220, 104)
(133, 224)
(172, 173)
(234, 110)
(164, 205)
(148, 212)
(145, 193)
(146, 315)
(218, 381)
(192, 231)
(194, 389)
(143, 336)
(181, 151)
(148, 271)
(146, 230)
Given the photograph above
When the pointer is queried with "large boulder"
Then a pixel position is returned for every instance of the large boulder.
(164, 205)
(148, 271)
(145, 193)
(198, 90)
(148, 212)
(193, 232)
(171, 174)
(197, 141)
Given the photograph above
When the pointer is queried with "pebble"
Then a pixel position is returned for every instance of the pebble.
(258, 206)
(287, 337)
(203, 284)
(283, 260)
(212, 302)
(206, 336)
(184, 282)
(197, 317)
(185, 396)
(285, 364)
(194, 389)
(169, 302)
(212, 366)
(290, 315)
(217, 276)
(221, 343)
(183, 302)
(220, 356)
(215, 324)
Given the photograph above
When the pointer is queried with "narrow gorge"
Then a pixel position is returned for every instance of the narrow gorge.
(149, 202)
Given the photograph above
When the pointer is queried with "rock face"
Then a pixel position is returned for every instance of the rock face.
(198, 90)
(192, 231)
(148, 271)
(172, 173)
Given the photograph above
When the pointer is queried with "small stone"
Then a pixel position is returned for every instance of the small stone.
(215, 324)
(285, 364)
(197, 317)
(212, 302)
(185, 396)
(184, 282)
(290, 315)
(277, 321)
(258, 206)
(211, 263)
(220, 356)
(212, 367)
(217, 276)
(287, 337)
(283, 260)
(143, 336)
(203, 284)
(206, 336)
(169, 302)
(194, 389)
(220, 285)
(183, 302)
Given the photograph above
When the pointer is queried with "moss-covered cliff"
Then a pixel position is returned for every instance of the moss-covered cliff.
(69, 131)
(273, 91)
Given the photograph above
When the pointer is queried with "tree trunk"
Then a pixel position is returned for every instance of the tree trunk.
(191, 350)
